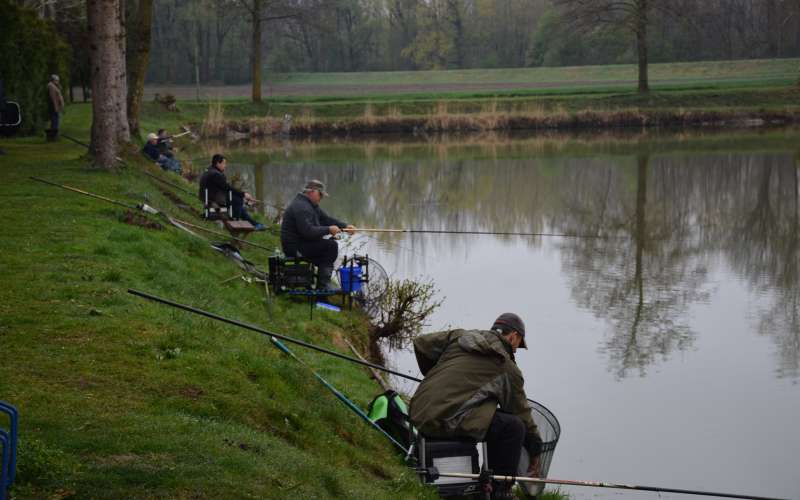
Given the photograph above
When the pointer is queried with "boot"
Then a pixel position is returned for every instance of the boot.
(324, 278)
(503, 491)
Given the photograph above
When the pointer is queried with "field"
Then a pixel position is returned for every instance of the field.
(718, 74)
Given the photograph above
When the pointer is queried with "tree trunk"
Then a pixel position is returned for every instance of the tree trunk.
(255, 60)
(138, 59)
(641, 44)
(107, 56)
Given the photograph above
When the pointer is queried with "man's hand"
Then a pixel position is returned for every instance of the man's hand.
(535, 468)
(334, 230)
(248, 197)
(350, 229)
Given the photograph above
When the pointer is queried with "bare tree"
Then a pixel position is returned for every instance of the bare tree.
(633, 15)
(109, 85)
(264, 11)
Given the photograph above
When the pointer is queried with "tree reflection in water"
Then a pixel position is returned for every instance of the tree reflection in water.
(664, 220)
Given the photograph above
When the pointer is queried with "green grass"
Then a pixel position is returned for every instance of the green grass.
(124, 398)
(758, 69)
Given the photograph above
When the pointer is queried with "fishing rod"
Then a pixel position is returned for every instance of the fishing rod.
(81, 143)
(168, 183)
(153, 211)
(415, 379)
(263, 331)
(344, 399)
(597, 484)
(492, 233)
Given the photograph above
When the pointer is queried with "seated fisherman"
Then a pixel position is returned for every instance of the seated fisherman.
(151, 150)
(303, 227)
(216, 183)
(164, 144)
(474, 389)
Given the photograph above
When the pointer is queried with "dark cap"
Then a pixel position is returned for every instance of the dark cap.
(511, 321)
(315, 185)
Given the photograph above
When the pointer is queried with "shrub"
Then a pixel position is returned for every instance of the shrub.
(31, 51)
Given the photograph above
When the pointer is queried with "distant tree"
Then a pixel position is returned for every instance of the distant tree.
(138, 57)
(109, 84)
(261, 12)
(633, 15)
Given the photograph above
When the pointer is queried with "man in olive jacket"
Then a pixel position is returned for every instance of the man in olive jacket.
(474, 389)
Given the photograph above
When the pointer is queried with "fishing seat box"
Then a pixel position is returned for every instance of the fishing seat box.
(287, 274)
(459, 456)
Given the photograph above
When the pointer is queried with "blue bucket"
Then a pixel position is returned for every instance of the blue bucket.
(350, 278)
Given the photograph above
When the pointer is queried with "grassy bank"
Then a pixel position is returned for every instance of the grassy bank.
(121, 398)
(595, 109)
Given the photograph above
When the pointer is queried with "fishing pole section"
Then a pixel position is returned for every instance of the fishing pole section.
(430, 473)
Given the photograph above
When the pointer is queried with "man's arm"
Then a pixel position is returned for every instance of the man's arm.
(304, 223)
(327, 220)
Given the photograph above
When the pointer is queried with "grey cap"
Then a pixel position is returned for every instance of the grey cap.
(514, 322)
(54, 78)
(316, 185)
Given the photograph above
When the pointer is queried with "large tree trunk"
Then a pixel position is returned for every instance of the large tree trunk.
(641, 43)
(138, 59)
(255, 59)
(107, 63)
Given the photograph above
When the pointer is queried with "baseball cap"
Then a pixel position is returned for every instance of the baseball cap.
(151, 136)
(514, 322)
(316, 185)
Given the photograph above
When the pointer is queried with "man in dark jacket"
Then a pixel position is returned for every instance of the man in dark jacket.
(214, 183)
(305, 224)
(474, 389)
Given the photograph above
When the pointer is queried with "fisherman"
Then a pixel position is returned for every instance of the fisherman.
(55, 105)
(152, 151)
(165, 146)
(303, 227)
(473, 389)
(216, 183)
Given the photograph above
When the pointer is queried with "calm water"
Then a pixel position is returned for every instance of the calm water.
(666, 340)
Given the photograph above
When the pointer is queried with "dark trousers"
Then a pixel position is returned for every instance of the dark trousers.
(239, 212)
(322, 253)
(504, 441)
(54, 121)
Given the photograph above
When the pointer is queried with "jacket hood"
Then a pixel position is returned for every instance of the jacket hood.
(487, 343)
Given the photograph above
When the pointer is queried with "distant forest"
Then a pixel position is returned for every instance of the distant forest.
(211, 41)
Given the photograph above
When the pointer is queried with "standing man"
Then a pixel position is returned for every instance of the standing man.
(55, 105)
(474, 389)
(214, 181)
(303, 227)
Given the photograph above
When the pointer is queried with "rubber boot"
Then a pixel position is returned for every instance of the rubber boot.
(324, 278)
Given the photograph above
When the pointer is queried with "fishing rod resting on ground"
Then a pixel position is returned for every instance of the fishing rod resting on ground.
(273, 335)
(489, 233)
(598, 484)
(153, 211)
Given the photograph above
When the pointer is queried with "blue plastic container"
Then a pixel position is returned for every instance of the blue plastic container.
(350, 278)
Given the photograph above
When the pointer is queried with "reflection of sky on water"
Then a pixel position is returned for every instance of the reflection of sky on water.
(668, 353)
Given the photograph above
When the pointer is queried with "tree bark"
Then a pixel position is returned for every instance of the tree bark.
(256, 51)
(138, 59)
(109, 86)
(641, 44)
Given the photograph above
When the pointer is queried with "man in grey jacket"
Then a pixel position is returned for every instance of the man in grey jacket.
(474, 389)
(303, 227)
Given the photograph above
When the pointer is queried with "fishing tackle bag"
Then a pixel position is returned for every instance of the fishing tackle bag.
(390, 413)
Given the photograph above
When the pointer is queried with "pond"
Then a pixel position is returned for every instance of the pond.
(664, 331)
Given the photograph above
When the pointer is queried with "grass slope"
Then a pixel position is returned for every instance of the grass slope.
(122, 398)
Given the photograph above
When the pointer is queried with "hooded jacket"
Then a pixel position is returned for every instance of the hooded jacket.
(468, 374)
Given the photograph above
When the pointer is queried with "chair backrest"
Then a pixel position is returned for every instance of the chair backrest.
(212, 211)
(8, 441)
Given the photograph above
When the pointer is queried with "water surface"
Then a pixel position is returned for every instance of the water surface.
(665, 335)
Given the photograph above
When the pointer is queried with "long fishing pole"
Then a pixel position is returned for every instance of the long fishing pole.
(263, 331)
(150, 210)
(415, 379)
(344, 399)
(597, 484)
(81, 143)
(493, 233)
(168, 183)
